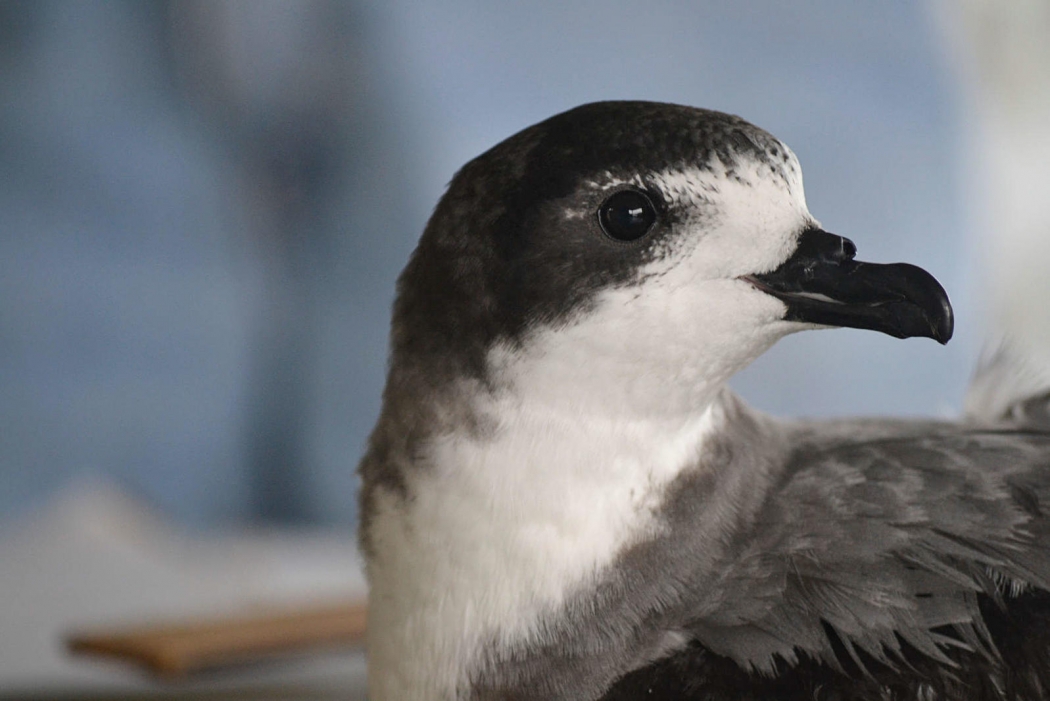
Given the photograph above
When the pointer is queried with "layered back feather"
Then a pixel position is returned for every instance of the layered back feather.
(887, 560)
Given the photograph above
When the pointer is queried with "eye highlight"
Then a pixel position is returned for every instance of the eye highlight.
(627, 215)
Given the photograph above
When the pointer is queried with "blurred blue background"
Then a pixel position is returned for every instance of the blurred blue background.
(204, 206)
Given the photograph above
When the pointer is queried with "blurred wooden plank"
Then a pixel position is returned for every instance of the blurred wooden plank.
(176, 650)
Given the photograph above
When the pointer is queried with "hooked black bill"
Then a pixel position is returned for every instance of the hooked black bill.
(822, 284)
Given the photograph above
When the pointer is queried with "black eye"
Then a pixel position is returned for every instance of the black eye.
(627, 215)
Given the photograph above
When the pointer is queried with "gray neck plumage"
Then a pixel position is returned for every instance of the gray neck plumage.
(626, 614)
(506, 541)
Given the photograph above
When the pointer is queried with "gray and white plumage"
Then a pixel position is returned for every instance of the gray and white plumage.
(561, 499)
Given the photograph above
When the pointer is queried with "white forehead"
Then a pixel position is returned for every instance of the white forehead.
(730, 219)
(779, 184)
(772, 185)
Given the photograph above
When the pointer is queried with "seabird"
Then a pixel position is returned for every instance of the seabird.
(562, 500)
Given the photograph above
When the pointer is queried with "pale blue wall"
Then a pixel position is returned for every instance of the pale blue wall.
(136, 299)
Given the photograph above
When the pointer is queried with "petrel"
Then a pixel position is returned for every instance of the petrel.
(561, 499)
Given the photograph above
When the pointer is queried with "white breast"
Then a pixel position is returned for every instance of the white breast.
(497, 531)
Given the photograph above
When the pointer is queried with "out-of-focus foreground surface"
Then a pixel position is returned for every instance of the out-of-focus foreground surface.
(96, 559)
(204, 206)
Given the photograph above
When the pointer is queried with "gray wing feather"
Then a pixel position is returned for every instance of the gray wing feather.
(884, 532)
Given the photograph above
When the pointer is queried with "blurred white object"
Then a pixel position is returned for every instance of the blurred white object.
(1009, 382)
(96, 557)
(1002, 49)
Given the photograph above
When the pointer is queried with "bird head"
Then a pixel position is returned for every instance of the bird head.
(651, 248)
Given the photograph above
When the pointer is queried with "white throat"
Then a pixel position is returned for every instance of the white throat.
(499, 529)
